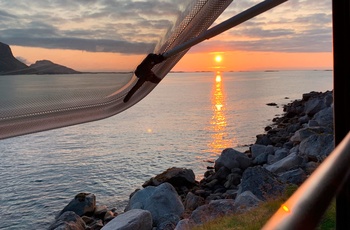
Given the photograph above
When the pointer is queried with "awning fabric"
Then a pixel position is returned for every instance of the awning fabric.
(72, 105)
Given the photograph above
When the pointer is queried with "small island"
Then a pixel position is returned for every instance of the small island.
(9, 65)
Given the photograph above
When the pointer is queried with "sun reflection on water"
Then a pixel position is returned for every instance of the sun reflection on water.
(219, 135)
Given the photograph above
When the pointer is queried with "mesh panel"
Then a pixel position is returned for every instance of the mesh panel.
(74, 104)
(198, 20)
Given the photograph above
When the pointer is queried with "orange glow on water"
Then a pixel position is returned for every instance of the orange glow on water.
(219, 137)
(149, 130)
(218, 77)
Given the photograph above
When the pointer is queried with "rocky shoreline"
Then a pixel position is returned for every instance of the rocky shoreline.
(290, 150)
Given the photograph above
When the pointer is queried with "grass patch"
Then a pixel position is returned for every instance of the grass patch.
(257, 217)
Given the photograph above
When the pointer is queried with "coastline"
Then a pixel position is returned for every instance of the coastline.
(283, 154)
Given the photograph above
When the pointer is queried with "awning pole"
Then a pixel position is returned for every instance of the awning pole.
(226, 25)
(341, 87)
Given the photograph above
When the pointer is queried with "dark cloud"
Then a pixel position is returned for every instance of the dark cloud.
(97, 45)
(314, 40)
(4, 15)
(294, 26)
(257, 32)
(128, 26)
(122, 26)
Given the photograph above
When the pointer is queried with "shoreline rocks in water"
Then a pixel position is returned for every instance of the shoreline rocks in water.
(290, 150)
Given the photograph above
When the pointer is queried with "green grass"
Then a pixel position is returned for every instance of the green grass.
(257, 217)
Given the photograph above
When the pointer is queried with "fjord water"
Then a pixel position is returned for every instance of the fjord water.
(185, 122)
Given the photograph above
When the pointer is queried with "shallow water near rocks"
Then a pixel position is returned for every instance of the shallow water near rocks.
(185, 122)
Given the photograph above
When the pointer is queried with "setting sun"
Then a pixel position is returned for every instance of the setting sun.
(218, 77)
(218, 58)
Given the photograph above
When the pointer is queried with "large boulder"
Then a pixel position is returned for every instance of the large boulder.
(135, 219)
(314, 105)
(261, 182)
(303, 133)
(279, 155)
(82, 204)
(290, 162)
(214, 209)
(324, 117)
(295, 176)
(317, 147)
(177, 177)
(67, 221)
(260, 153)
(162, 201)
(263, 139)
(193, 201)
(184, 224)
(246, 201)
(231, 158)
(257, 150)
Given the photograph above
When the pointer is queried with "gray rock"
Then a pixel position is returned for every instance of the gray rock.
(231, 158)
(96, 225)
(324, 117)
(317, 147)
(135, 219)
(257, 149)
(109, 215)
(261, 182)
(87, 219)
(212, 183)
(302, 134)
(288, 145)
(100, 211)
(292, 128)
(304, 119)
(230, 194)
(212, 210)
(312, 123)
(314, 105)
(260, 153)
(175, 176)
(82, 204)
(310, 167)
(222, 173)
(279, 155)
(295, 176)
(246, 201)
(328, 99)
(233, 180)
(295, 149)
(184, 224)
(68, 220)
(192, 201)
(261, 159)
(161, 201)
(263, 139)
(271, 159)
(290, 162)
(168, 222)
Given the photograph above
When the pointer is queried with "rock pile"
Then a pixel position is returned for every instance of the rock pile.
(287, 153)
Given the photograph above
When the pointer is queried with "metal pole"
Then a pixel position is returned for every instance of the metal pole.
(305, 208)
(341, 87)
(226, 25)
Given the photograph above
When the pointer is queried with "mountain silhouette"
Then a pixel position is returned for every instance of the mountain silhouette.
(9, 65)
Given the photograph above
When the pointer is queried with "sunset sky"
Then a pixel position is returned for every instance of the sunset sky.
(102, 35)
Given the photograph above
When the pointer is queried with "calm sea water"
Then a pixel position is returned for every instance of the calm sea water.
(185, 122)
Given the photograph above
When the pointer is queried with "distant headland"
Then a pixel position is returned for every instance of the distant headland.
(9, 65)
